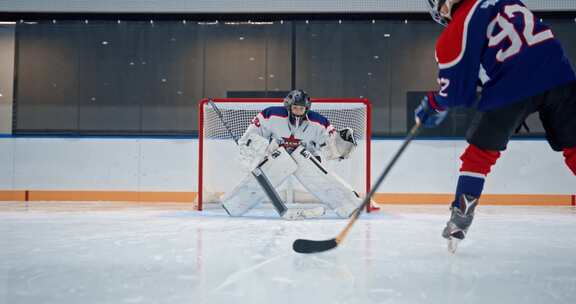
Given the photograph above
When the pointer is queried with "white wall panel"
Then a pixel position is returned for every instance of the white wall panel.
(428, 166)
(242, 6)
(431, 166)
(168, 165)
(532, 167)
(76, 164)
(6, 164)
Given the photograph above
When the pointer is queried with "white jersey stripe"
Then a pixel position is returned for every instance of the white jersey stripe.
(472, 174)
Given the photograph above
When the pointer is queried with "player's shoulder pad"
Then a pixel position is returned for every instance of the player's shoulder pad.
(274, 111)
(451, 45)
(318, 118)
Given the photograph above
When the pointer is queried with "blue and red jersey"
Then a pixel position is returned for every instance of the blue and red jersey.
(500, 46)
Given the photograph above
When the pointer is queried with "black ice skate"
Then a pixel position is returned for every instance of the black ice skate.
(460, 220)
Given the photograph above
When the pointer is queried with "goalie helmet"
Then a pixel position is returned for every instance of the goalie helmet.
(297, 98)
(441, 10)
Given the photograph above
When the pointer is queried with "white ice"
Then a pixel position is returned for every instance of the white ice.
(102, 253)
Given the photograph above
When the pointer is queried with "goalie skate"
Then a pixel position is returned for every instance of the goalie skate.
(303, 213)
(460, 220)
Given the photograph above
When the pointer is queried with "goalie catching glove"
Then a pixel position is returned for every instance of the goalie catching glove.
(340, 144)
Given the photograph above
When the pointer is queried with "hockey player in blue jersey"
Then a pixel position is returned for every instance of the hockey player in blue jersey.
(499, 48)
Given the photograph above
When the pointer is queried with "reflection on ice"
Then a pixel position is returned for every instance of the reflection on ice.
(114, 253)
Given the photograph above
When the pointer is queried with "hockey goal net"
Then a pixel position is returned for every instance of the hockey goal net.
(218, 166)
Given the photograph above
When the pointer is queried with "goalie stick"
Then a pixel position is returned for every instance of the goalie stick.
(271, 192)
(312, 246)
(219, 114)
(258, 174)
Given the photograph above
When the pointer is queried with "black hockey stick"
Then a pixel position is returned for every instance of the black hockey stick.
(311, 246)
(272, 194)
(258, 174)
(226, 126)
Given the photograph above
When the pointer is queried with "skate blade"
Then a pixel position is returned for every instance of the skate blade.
(453, 244)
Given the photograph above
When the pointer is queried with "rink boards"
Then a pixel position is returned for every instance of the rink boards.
(124, 169)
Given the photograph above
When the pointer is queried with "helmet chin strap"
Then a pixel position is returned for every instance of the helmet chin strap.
(297, 120)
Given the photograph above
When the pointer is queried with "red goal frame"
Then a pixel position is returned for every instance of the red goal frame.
(204, 101)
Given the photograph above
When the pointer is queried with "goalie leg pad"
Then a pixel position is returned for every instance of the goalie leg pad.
(327, 187)
(246, 195)
(278, 166)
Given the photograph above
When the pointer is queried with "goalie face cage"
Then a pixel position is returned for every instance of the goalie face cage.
(218, 166)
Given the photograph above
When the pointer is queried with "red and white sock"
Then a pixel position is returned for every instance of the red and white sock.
(476, 164)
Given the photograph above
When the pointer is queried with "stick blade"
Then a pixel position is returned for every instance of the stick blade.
(309, 246)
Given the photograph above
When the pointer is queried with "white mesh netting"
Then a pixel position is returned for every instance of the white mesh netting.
(239, 114)
(220, 171)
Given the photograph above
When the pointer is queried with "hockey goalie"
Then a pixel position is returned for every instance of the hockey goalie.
(291, 141)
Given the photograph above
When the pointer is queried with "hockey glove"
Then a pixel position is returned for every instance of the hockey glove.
(429, 112)
(347, 134)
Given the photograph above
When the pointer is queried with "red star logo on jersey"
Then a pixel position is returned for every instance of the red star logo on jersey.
(291, 142)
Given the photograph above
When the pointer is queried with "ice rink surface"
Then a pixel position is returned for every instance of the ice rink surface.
(126, 253)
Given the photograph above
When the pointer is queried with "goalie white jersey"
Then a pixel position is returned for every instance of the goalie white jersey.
(276, 146)
(273, 123)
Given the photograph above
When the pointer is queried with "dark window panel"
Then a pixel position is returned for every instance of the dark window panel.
(174, 51)
(137, 77)
(413, 66)
(237, 58)
(46, 95)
